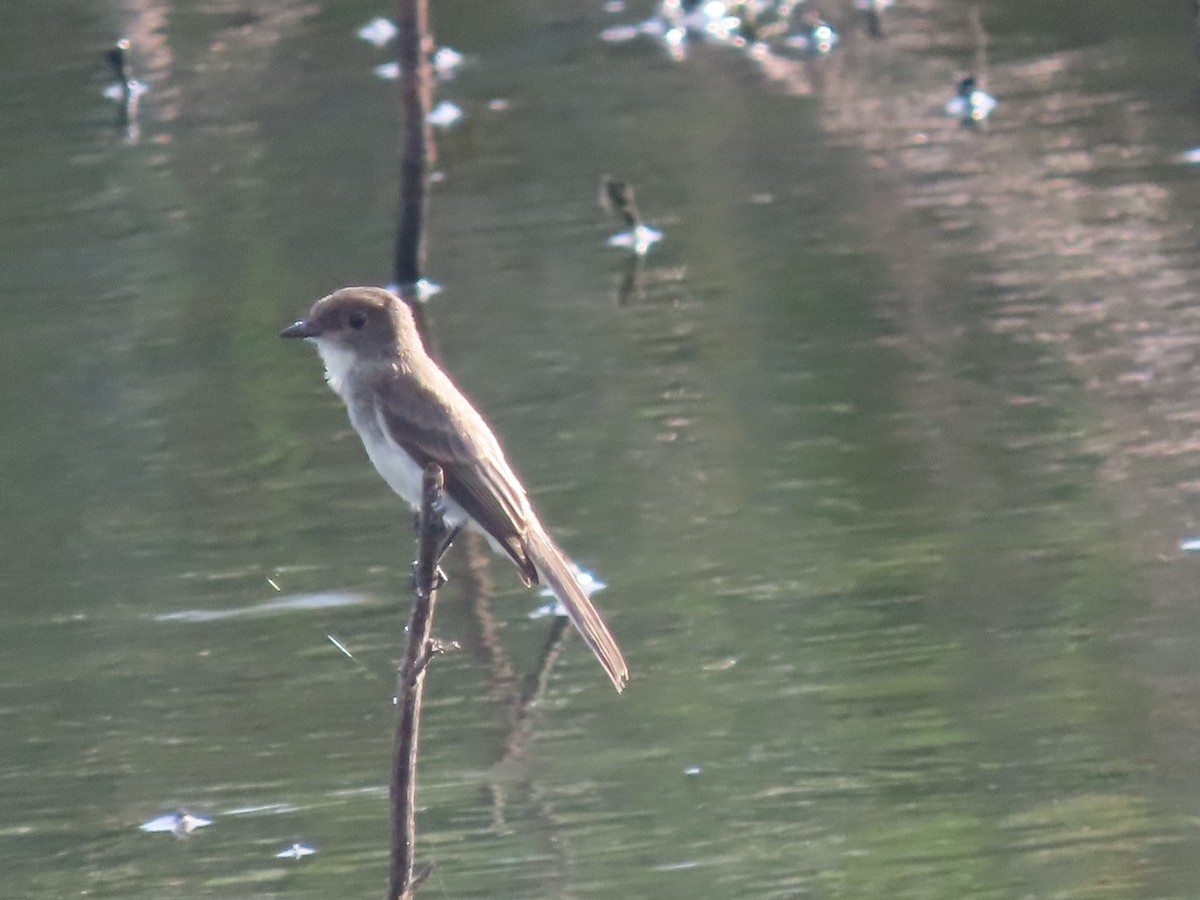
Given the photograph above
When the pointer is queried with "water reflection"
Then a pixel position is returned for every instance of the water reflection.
(180, 823)
(296, 603)
(970, 105)
(378, 32)
(296, 851)
(126, 91)
(887, 457)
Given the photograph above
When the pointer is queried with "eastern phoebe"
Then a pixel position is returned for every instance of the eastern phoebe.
(409, 414)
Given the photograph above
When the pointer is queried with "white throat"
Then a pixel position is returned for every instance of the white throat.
(339, 362)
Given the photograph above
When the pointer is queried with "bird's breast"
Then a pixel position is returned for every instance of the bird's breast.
(394, 464)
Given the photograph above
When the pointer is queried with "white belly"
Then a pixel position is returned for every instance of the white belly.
(400, 471)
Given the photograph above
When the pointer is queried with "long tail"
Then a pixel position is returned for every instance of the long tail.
(559, 575)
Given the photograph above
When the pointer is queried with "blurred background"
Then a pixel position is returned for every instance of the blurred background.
(887, 452)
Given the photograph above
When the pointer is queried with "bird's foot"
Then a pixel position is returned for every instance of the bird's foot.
(439, 579)
(446, 538)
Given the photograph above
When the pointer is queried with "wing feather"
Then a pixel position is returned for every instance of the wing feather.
(439, 425)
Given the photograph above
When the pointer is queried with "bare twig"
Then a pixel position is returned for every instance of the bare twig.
(412, 19)
(411, 686)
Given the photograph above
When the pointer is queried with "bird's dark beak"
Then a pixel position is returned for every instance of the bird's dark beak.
(302, 329)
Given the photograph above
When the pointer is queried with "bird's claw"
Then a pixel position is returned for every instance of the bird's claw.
(439, 578)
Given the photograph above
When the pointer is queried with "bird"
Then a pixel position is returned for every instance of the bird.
(409, 414)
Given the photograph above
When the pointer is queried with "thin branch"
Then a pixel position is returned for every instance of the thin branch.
(413, 46)
(411, 685)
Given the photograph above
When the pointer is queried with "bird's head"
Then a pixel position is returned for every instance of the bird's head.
(356, 327)
(368, 320)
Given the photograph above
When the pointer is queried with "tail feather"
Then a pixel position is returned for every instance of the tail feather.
(559, 575)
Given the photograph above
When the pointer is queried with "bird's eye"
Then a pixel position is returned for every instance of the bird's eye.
(357, 320)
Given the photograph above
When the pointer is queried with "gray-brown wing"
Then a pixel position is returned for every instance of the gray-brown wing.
(443, 428)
